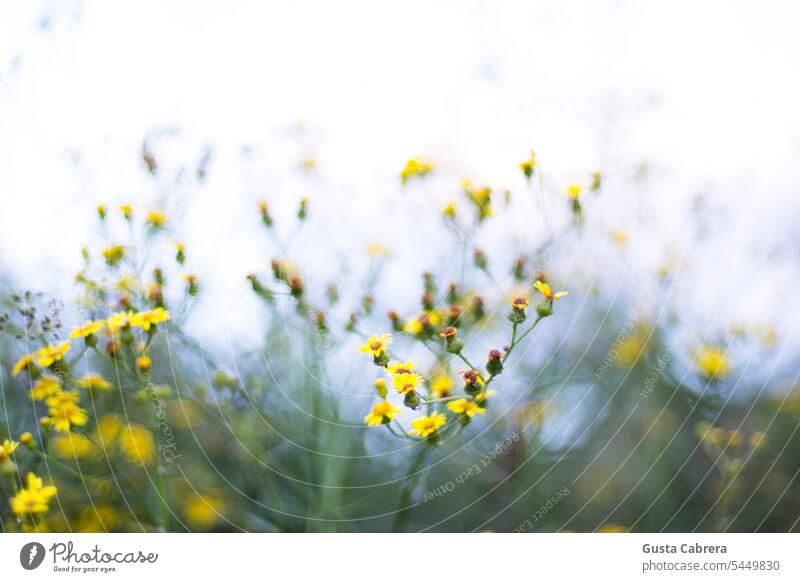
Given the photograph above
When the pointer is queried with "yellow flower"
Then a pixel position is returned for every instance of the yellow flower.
(520, 303)
(7, 449)
(757, 440)
(712, 361)
(127, 210)
(97, 519)
(427, 425)
(156, 218)
(377, 250)
(413, 326)
(137, 444)
(114, 254)
(119, 320)
(547, 293)
(528, 165)
(87, 329)
(203, 511)
(147, 318)
(612, 528)
(382, 412)
(630, 349)
(102, 211)
(108, 429)
(449, 210)
(401, 368)
(466, 407)
(48, 355)
(65, 413)
(74, 446)
(442, 386)
(34, 498)
(92, 381)
(415, 167)
(45, 388)
(619, 237)
(485, 395)
(376, 346)
(406, 382)
(26, 438)
(574, 191)
(22, 364)
(144, 363)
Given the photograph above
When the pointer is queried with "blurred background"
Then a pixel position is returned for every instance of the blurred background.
(687, 110)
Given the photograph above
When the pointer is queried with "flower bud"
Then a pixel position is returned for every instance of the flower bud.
(302, 213)
(319, 320)
(518, 270)
(26, 439)
(453, 315)
(478, 309)
(451, 343)
(480, 260)
(412, 400)
(263, 208)
(397, 323)
(494, 365)
(517, 314)
(452, 293)
(473, 383)
(545, 308)
(380, 388)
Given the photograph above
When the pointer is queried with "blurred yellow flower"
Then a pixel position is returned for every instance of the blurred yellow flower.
(22, 364)
(137, 444)
(92, 381)
(108, 429)
(449, 210)
(145, 319)
(203, 511)
(416, 167)
(7, 449)
(612, 528)
(574, 191)
(427, 425)
(144, 363)
(114, 254)
(547, 293)
(529, 165)
(377, 250)
(484, 395)
(155, 218)
(44, 388)
(74, 446)
(442, 386)
(466, 407)
(382, 412)
(99, 518)
(65, 413)
(119, 320)
(34, 498)
(127, 210)
(50, 354)
(87, 329)
(712, 361)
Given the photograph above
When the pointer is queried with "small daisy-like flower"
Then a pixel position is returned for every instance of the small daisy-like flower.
(7, 449)
(466, 407)
(471, 377)
(428, 425)
(65, 413)
(137, 444)
(448, 333)
(376, 346)
(127, 211)
(155, 218)
(50, 354)
(145, 319)
(45, 388)
(401, 368)
(92, 381)
(119, 320)
(406, 382)
(547, 293)
(23, 363)
(87, 329)
(33, 498)
(381, 413)
(712, 361)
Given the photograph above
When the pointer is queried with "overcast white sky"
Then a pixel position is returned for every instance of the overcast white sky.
(705, 93)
